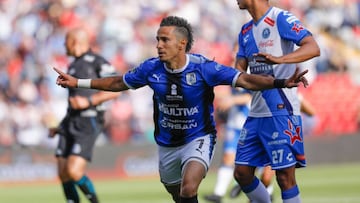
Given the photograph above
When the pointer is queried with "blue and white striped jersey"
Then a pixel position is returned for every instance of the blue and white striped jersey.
(183, 98)
(276, 33)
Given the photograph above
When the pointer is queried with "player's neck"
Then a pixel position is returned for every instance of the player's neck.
(258, 11)
(177, 63)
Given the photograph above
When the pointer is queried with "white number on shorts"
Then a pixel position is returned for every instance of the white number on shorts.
(277, 156)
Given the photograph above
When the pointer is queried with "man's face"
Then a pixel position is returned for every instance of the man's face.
(242, 4)
(168, 46)
(70, 45)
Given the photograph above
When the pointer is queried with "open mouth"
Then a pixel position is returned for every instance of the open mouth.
(161, 54)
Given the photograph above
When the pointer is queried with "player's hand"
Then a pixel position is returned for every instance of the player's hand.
(53, 132)
(296, 78)
(65, 80)
(79, 102)
(266, 58)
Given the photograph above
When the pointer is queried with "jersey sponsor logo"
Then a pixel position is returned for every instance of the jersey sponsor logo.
(178, 124)
(157, 77)
(178, 111)
(190, 78)
(290, 18)
(297, 28)
(269, 21)
(246, 29)
(267, 43)
(293, 133)
(89, 58)
(261, 68)
(266, 33)
(246, 39)
(173, 94)
(173, 89)
(289, 157)
(274, 136)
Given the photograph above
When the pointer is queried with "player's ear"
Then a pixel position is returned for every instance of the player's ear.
(183, 43)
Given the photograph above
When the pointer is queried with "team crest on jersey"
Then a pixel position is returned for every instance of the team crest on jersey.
(190, 78)
(266, 33)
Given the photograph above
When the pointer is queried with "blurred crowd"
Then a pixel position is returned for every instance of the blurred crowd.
(32, 42)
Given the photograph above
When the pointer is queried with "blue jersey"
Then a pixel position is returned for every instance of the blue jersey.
(183, 98)
(277, 33)
(235, 121)
(238, 113)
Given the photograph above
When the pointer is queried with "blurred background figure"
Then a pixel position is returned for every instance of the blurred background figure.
(84, 120)
(236, 104)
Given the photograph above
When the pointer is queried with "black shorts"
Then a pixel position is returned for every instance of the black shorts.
(78, 135)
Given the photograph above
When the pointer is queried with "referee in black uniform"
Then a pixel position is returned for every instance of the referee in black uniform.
(84, 119)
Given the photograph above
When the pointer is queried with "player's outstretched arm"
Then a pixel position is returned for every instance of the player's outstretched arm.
(261, 82)
(114, 84)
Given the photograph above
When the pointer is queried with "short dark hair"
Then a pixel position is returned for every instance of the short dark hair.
(182, 27)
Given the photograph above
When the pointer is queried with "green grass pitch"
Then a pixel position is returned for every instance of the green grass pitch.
(335, 183)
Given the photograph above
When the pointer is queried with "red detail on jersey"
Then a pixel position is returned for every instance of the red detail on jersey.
(293, 137)
(246, 29)
(297, 28)
(300, 157)
(268, 43)
(269, 21)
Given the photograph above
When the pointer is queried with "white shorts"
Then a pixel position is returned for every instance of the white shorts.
(173, 159)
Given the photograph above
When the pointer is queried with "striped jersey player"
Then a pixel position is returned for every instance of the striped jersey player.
(272, 134)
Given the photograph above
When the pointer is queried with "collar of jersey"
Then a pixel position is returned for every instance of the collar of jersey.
(178, 70)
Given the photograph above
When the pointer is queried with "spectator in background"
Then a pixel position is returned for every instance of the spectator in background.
(84, 119)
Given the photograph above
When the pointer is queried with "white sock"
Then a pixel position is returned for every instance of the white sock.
(224, 176)
(259, 194)
(270, 188)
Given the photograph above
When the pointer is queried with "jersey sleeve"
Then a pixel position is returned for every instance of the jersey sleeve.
(241, 47)
(217, 74)
(137, 77)
(290, 27)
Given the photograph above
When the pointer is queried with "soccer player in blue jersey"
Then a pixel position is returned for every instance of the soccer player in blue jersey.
(183, 103)
(272, 134)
